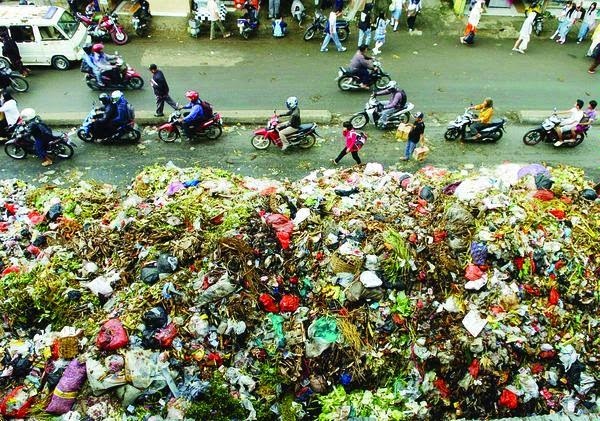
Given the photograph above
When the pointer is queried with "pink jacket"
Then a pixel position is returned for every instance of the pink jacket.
(350, 136)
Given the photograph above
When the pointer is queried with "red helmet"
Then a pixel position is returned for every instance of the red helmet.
(97, 48)
(192, 95)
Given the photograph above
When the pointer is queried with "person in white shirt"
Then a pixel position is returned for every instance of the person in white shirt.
(11, 111)
(576, 114)
(215, 19)
(588, 23)
(331, 32)
(525, 34)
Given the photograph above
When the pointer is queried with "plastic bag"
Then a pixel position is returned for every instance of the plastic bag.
(220, 289)
(289, 303)
(112, 336)
(283, 228)
(479, 253)
(589, 194)
(155, 318)
(166, 263)
(65, 393)
(101, 377)
(54, 212)
(16, 403)
(542, 181)
(544, 195)
(166, 335)
(426, 193)
(268, 303)
(149, 274)
(473, 273)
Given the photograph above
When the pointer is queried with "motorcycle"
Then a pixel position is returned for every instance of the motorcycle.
(22, 144)
(348, 81)
(106, 28)
(129, 132)
(12, 79)
(171, 130)
(459, 128)
(248, 24)
(130, 78)
(538, 22)
(372, 113)
(546, 133)
(305, 137)
(140, 19)
(318, 27)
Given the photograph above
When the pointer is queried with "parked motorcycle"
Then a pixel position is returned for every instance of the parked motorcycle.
(318, 28)
(22, 144)
(305, 137)
(348, 81)
(460, 129)
(546, 133)
(248, 24)
(372, 113)
(13, 79)
(140, 19)
(106, 28)
(130, 78)
(171, 130)
(129, 132)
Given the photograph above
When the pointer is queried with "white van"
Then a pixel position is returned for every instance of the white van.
(45, 35)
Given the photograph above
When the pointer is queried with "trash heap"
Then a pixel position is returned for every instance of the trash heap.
(358, 294)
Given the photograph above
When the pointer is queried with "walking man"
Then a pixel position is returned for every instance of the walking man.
(215, 19)
(331, 30)
(161, 90)
(416, 134)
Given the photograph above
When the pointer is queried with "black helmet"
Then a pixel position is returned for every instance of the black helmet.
(87, 48)
(104, 98)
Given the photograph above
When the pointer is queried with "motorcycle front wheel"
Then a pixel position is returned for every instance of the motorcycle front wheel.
(63, 151)
(533, 137)
(359, 120)
(84, 135)
(382, 82)
(136, 82)
(342, 34)
(214, 132)
(260, 142)
(452, 134)
(309, 34)
(308, 142)
(345, 83)
(15, 151)
(119, 37)
(19, 84)
(168, 136)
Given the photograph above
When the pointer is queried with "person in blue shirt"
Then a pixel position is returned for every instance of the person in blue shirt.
(120, 102)
(89, 62)
(279, 27)
(196, 114)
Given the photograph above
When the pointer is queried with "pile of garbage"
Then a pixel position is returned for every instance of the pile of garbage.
(350, 294)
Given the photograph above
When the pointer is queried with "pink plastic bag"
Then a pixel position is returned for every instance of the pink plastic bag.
(472, 273)
(112, 336)
(283, 228)
(65, 393)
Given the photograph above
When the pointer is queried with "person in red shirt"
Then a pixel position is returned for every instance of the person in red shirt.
(353, 143)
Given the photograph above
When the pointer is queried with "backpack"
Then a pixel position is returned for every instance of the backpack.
(596, 51)
(361, 139)
(130, 112)
(206, 109)
(470, 38)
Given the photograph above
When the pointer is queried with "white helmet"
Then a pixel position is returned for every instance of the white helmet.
(291, 102)
(393, 84)
(116, 95)
(28, 114)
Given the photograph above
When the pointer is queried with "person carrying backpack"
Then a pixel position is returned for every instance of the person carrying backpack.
(196, 114)
(41, 133)
(120, 102)
(354, 142)
(279, 27)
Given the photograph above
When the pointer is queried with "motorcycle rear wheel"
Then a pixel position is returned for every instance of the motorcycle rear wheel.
(260, 142)
(345, 83)
(92, 84)
(119, 38)
(342, 34)
(18, 83)
(15, 151)
(63, 151)
(578, 140)
(532, 137)
(85, 136)
(168, 136)
(136, 82)
(404, 118)
(359, 120)
(308, 142)
(382, 82)
(496, 135)
(134, 135)
(452, 134)
(214, 132)
(309, 33)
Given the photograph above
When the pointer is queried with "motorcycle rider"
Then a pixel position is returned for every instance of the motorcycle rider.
(569, 123)
(122, 114)
(486, 112)
(292, 125)
(195, 116)
(360, 66)
(41, 133)
(11, 113)
(103, 126)
(589, 116)
(396, 103)
(102, 61)
(88, 60)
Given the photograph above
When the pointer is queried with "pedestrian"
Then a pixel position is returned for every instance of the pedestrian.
(274, 6)
(473, 20)
(354, 142)
(561, 17)
(416, 135)
(396, 8)
(525, 33)
(161, 90)
(380, 29)
(588, 23)
(595, 41)
(330, 28)
(364, 25)
(572, 16)
(412, 10)
(10, 50)
(215, 19)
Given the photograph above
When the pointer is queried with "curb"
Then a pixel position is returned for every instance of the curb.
(229, 117)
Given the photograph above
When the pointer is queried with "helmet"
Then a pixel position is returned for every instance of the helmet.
(104, 98)
(97, 48)
(393, 84)
(28, 114)
(291, 102)
(192, 95)
(116, 95)
(87, 48)
(418, 114)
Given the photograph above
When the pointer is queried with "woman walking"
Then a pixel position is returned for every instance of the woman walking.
(354, 142)
(473, 21)
(588, 23)
(412, 10)
(396, 8)
(525, 33)
(380, 30)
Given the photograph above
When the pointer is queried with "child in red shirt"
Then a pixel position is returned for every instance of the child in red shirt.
(352, 143)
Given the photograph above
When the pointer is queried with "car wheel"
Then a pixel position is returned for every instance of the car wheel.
(60, 63)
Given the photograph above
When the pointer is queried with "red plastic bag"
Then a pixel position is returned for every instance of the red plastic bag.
(35, 217)
(474, 368)
(268, 303)
(11, 208)
(10, 269)
(289, 303)
(508, 399)
(554, 297)
(16, 404)
(557, 213)
(112, 336)
(544, 195)
(441, 385)
(283, 228)
(472, 273)
(166, 335)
